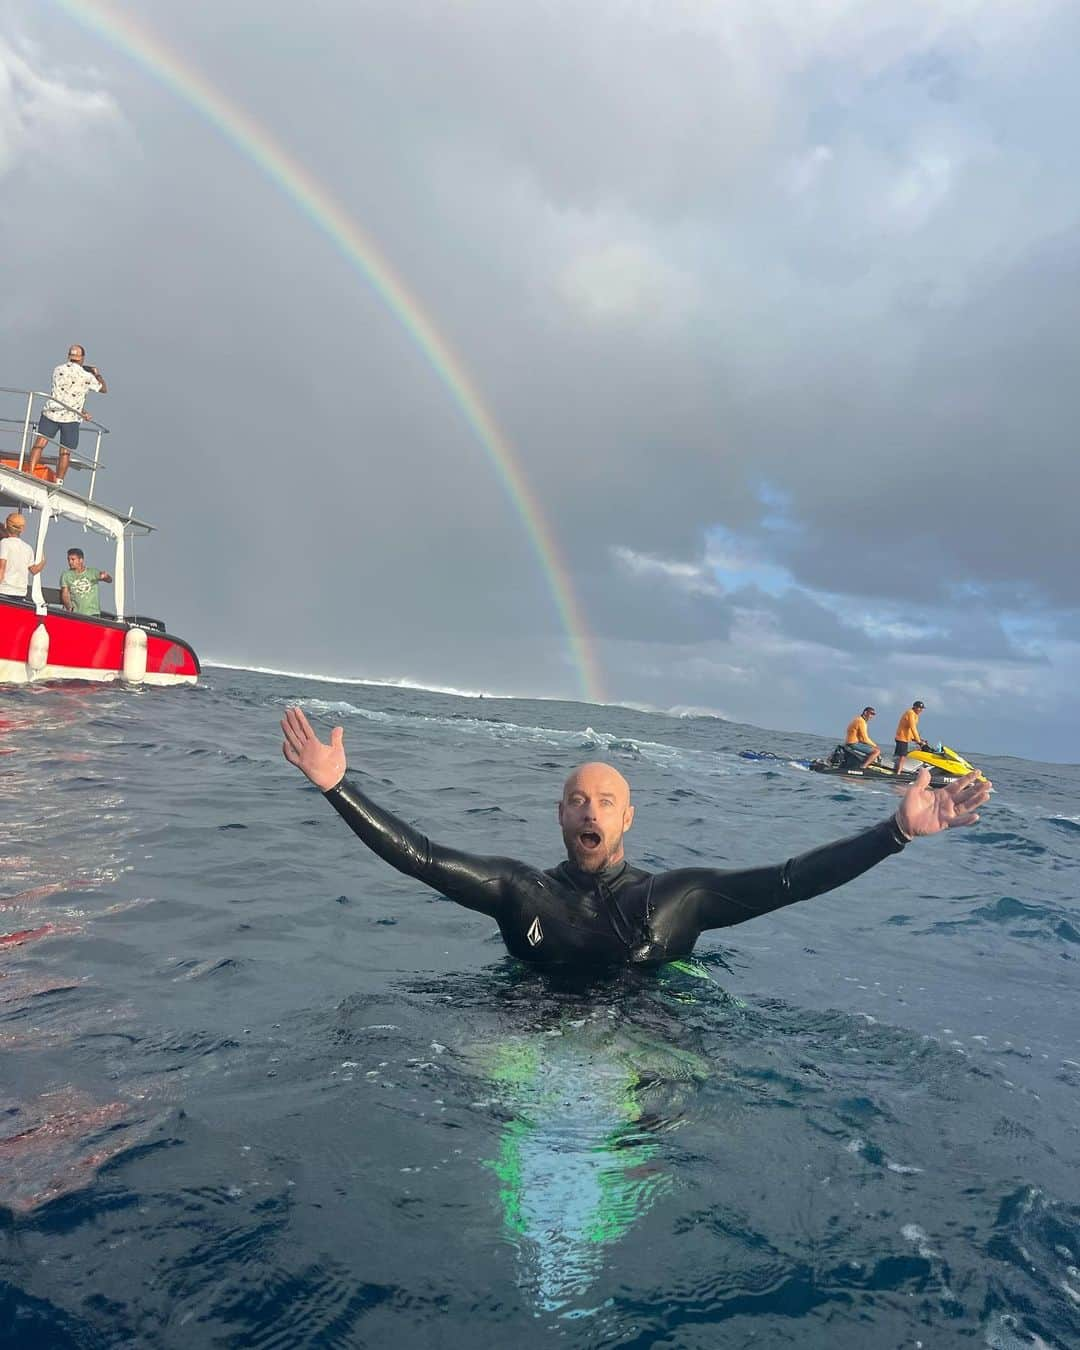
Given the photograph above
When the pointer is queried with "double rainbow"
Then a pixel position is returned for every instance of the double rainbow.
(253, 140)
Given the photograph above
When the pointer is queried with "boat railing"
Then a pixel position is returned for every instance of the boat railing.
(19, 411)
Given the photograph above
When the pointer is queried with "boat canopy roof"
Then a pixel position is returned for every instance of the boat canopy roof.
(19, 490)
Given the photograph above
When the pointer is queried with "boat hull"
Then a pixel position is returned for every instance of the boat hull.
(81, 647)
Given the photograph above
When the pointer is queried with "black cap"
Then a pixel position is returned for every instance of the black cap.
(918, 703)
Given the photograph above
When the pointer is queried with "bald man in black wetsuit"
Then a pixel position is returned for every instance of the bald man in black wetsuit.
(595, 909)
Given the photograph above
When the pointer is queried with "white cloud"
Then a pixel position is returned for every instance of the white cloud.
(992, 682)
(693, 578)
(804, 170)
(919, 189)
(895, 630)
(45, 122)
(621, 282)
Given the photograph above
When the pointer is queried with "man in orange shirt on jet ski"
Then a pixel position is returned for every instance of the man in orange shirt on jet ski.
(907, 735)
(857, 742)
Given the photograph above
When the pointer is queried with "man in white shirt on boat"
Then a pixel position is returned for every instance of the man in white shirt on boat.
(72, 381)
(17, 563)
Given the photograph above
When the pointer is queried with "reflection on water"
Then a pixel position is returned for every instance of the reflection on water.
(63, 846)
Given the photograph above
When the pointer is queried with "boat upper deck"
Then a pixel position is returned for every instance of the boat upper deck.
(19, 410)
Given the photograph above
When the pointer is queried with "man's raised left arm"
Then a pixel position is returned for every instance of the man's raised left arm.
(727, 898)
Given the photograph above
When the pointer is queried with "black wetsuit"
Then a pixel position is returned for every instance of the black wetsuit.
(621, 915)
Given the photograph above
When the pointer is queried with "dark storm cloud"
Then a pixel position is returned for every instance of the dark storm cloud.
(979, 480)
(685, 250)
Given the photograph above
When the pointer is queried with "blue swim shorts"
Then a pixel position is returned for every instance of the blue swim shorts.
(69, 431)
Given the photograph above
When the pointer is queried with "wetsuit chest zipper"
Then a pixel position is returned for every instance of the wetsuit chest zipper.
(622, 927)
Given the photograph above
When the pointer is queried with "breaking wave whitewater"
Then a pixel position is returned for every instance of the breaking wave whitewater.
(400, 683)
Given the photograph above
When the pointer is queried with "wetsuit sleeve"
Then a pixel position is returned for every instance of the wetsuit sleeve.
(477, 883)
(725, 898)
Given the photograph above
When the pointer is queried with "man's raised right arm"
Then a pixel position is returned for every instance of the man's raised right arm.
(475, 882)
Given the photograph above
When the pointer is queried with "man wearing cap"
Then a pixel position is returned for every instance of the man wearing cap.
(17, 563)
(79, 585)
(858, 746)
(907, 735)
(71, 382)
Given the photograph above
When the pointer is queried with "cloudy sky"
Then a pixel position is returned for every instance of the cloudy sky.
(775, 303)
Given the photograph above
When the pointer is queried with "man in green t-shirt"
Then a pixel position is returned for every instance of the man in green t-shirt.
(79, 584)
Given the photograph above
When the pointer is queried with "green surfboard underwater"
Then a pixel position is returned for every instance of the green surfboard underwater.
(586, 1102)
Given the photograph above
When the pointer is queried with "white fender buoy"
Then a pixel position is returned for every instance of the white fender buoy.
(37, 653)
(135, 655)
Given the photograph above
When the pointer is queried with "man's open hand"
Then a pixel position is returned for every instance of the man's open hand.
(323, 764)
(929, 811)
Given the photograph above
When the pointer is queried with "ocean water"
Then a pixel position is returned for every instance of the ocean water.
(260, 1090)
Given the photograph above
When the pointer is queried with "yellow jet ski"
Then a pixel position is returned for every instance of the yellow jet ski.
(944, 765)
(945, 760)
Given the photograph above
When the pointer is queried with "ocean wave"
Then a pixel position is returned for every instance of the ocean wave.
(403, 683)
(339, 708)
(588, 739)
(680, 712)
(1022, 920)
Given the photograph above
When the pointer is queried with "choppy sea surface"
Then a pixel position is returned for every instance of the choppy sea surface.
(257, 1089)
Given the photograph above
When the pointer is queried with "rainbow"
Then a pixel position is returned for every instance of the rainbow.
(256, 143)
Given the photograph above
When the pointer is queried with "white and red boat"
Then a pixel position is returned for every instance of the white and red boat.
(39, 639)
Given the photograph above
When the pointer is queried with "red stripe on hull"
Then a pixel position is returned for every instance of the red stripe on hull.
(17, 623)
(87, 646)
(77, 642)
(169, 656)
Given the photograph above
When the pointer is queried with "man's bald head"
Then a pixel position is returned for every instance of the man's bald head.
(595, 813)
(598, 775)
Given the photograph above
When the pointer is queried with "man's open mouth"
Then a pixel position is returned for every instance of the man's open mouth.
(589, 839)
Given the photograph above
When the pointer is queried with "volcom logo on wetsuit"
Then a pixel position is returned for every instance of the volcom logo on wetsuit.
(535, 933)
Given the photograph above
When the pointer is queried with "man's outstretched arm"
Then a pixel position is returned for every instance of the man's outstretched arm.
(475, 882)
(726, 898)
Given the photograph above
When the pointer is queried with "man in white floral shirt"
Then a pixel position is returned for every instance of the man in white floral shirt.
(64, 411)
